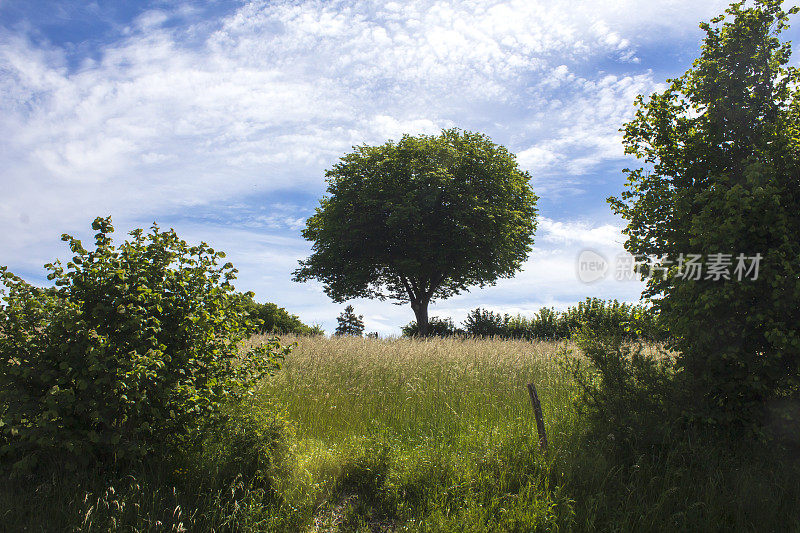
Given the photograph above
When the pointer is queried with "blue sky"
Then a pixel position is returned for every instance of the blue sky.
(219, 118)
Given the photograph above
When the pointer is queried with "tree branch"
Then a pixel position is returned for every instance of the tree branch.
(411, 295)
(417, 292)
(437, 279)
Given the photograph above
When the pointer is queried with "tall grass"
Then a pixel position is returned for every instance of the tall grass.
(348, 387)
(426, 435)
(442, 420)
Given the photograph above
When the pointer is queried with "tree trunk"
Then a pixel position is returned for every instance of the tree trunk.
(421, 312)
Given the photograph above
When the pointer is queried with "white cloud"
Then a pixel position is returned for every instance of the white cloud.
(263, 100)
(151, 19)
(573, 136)
(580, 232)
(390, 128)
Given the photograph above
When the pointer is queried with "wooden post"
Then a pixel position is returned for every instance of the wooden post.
(537, 412)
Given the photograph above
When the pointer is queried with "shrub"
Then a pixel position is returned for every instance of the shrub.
(485, 323)
(629, 393)
(548, 324)
(630, 321)
(274, 319)
(134, 349)
(231, 481)
(437, 327)
(721, 154)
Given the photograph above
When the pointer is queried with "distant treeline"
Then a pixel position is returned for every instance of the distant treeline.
(633, 321)
(276, 319)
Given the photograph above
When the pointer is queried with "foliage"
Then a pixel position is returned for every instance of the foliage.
(629, 321)
(722, 152)
(639, 465)
(629, 391)
(229, 482)
(422, 436)
(348, 323)
(134, 349)
(437, 327)
(276, 319)
(546, 324)
(485, 323)
(420, 219)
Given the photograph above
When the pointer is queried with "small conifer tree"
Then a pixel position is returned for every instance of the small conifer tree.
(350, 323)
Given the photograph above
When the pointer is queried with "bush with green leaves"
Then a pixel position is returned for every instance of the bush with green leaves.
(629, 390)
(721, 156)
(134, 349)
(437, 327)
(485, 323)
(274, 319)
(546, 324)
(631, 321)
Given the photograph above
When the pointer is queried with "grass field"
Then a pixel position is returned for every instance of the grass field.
(447, 422)
(424, 435)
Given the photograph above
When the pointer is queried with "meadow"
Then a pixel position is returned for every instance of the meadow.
(138, 392)
(357, 434)
(443, 426)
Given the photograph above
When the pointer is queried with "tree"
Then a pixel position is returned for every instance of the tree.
(274, 319)
(349, 323)
(420, 219)
(722, 153)
(485, 323)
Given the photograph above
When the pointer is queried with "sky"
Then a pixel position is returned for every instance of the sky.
(219, 119)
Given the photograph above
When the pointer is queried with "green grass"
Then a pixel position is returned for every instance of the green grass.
(335, 390)
(424, 435)
(441, 419)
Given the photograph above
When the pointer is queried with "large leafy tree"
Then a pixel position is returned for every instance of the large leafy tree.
(420, 219)
(722, 175)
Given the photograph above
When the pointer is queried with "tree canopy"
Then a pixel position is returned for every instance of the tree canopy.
(421, 219)
(722, 153)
